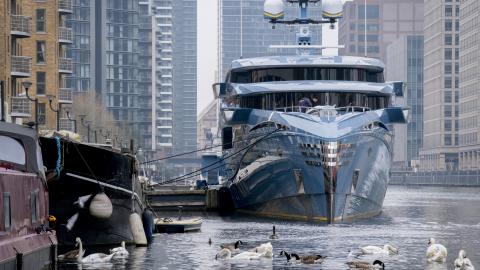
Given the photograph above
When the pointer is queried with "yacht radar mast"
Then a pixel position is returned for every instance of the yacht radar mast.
(332, 10)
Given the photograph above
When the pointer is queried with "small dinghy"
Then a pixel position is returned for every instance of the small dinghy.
(168, 225)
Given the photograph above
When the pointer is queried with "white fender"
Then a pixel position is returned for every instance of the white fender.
(273, 9)
(101, 206)
(136, 226)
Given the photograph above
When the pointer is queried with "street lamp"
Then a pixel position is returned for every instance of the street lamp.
(57, 111)
(82, 117)
(74, 122)
(26, 85)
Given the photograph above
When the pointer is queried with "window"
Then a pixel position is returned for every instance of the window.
(448, 25)
(34, 206)
(447, 96)
(448, 54)
(448, 125)
(448, 39)
(457, 82)
(7, 216)
(457, 39)
(448, 11)
(457, 53)
(40, 19)
(457, 11)
(373, 12)
(41, 50)
(40, 83)
(448, 139)
(41, 113)
(448, 82)
(448, 68)
(457, 25)
(12, 151)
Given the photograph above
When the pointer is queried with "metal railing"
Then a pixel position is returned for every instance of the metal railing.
(21, 65)
(66, 124)
(65, 6)
(21, 107)
(65, 95)
(20, 25)
(65, 35)
(313, 110)
(65, 65)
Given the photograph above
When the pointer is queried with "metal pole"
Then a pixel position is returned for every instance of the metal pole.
(88, 133)
(58, 116)
(95, 134)
(36, 114)
(2, 98)
(365, 26)
(241, 28)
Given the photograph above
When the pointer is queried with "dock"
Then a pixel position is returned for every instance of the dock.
(169, 198)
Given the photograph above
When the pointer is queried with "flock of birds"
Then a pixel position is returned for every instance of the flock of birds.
(77, 255)
(436, 253)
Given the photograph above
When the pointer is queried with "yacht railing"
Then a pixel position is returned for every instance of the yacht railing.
(317, 109)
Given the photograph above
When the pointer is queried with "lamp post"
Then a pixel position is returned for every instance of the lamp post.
(74, 122)
(26, 85)
(57, 111)
(82, 117)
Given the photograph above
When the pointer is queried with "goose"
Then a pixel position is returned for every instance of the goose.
(377, 264)
(223, 254)
(462, 262)
(306, 259)
(436, 252)
(232, 246)
(119, 252)
(209, 241)
(274, 235)
(386, 250)
(74, 255)
(97, 258)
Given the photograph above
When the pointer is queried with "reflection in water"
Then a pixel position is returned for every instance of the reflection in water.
(410, 217)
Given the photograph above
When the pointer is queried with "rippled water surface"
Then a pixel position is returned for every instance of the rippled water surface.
(410, 216)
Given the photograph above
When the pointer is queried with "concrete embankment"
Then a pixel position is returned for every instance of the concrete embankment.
(437, 179)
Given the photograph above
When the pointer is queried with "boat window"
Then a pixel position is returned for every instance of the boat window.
(305, 73)
(7, 216)
(12, 151)
(294, 100)
(34, 206)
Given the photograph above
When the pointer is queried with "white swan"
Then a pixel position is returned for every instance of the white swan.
(386, 250)
(74, 255)
(223, 254)
(462, 262)
(436, 252)
(97, 258)
(248, 255)
(119, 252)
(266, 249)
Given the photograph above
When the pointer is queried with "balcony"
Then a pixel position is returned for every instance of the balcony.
(21, 107)
(65, 65)
(20, 26)
(21, 66)
(65, 35)
(65, 96)
(65, 6)
(66, 124)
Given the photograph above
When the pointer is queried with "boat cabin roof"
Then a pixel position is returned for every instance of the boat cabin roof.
(308, 60)
(312, 86)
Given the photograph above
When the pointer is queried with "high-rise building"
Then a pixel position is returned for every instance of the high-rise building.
(441, 85)
(176, 55)
(207, 127)
(244, 33)
(33, 43)
(368, 31)
(469, 119)
(405, 63)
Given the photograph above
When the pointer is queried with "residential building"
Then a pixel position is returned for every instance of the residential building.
(176, 55)
(405, 63)
(385, 21)
(207, 127)
(441, 86)
(469, 119)
(244, 33)
(34, 41)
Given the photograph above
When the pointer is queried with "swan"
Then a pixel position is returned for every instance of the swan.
(306, 259)
(223, 254)
(436, 252)
(74, 255)
(232, 246)
(386, 250)
(248, 255)
(462, 262)
(97, 258)
(377, 264)
(119, 252)
(274, 235)
(263, 248)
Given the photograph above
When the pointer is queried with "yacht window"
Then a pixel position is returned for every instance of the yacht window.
(12, 151)
(305, 73)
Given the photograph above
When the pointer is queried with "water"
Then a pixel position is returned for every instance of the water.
(411, 215)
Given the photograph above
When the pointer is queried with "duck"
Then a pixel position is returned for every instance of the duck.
(377, 264)
(97, 258)
(120, 252)
(436, 252)
(232, 246)
(274, 235)
(74, 255)
(223, 254)
(386, 250)
(306, 259)
(462, 262)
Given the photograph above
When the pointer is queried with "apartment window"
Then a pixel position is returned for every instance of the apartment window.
(41, 83)
(40, 20)
(41, 51)
(457, 96)
(447, 95)
(447, 111)
(448, 125)
(448, 83)
(448, 54)
(7, 215)
(373, 12)
(457, 39)
(457, 68)
(457, 83)
(457, 25)
(448, 25)
(448, 68)
(448, 39)
(457, 53)
(448, 11)
(41, 113)
(448, 139)
(457, 11)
